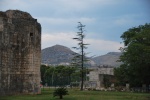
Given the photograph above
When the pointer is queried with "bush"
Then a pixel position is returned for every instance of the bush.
(60, 92)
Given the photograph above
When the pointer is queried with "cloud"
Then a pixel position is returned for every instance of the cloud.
(103, 45)
(59, 7)
(104, 19)
(55, 21)
(123, 21)
(57, 38)
(82, 5)
(63, 24)
(15, 4)
(96, 46)
(128, 19)
(73, 5)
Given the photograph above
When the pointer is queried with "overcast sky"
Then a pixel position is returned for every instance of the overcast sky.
(105, 20)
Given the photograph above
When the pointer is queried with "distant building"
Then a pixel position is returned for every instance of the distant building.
(20, 53)
(96, 76)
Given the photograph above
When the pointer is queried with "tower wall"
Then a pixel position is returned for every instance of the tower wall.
(20, 53)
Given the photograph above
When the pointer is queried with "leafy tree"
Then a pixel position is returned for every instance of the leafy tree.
(121, 74)
(60, 92)
(43, 69)
(48, 75)
(136, 56)
(80, 58)
(58, 75)
(68, 73)
(75, 77)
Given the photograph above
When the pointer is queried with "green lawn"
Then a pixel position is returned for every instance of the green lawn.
(82, 95)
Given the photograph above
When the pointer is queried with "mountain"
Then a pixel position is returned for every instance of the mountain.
(109, 59)
(57, 54)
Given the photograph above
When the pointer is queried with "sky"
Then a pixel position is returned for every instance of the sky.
(105, 20)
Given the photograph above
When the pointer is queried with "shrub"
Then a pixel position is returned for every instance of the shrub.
(60, 92)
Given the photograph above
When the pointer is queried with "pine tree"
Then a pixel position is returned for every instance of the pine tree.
(80, 59)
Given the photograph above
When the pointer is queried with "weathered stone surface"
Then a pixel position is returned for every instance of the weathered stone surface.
(20, 53)
(97, 75)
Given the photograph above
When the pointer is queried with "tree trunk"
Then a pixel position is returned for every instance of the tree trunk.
(60, 96)
(81, 80)
(82, 61)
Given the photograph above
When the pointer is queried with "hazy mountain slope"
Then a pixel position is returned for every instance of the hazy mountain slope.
(108, 59)
(59, 54)
(56, 54)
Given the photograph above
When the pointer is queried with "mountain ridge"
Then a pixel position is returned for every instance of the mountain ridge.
(59, 54)
(56, 54)
(111, 59)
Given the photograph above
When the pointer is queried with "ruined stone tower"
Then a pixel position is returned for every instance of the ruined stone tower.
(20, 53)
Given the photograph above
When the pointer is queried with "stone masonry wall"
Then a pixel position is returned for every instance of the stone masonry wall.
(97, 75)
(20, 53)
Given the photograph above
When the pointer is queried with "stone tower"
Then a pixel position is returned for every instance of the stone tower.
(20, 53)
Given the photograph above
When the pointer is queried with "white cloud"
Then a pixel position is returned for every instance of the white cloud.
(96, 46)
(60, 16)
(52, 24)
(57, 38)
(103, 45)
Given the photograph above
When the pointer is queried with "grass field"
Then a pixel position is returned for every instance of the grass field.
(47, 94)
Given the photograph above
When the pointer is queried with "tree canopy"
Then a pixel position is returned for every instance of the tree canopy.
(59, 75)
(136, 56)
